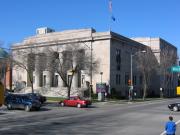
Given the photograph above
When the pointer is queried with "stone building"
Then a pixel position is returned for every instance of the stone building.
(166, 55)
(112, 50)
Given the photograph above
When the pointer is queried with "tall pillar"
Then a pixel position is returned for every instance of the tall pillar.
(36, 73)
(37, 79)
(75, 77)
(48, 72)
(60, 81)
(75, 80)
(48, 79)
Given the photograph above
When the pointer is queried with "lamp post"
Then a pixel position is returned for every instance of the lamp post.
(100, 94)
(101, 73)
(91, 71)
(131, 74)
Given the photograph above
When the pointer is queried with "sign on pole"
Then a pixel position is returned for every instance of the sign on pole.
(178, 90)
(101, 87)
(175, 69)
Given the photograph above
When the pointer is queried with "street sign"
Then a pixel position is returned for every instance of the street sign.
(178, 90)
(101, 87)
(175, 69)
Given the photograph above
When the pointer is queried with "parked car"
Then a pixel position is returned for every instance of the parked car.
(37, 96)
(76, 102)
(174, 107)
(21, 101)
(7, 92)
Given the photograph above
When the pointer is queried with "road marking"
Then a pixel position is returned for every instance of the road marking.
(177, 122)
(163, 133)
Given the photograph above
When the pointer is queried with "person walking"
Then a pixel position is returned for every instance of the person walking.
(170, 126)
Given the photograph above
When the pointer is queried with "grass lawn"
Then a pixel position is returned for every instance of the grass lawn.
(54, 99)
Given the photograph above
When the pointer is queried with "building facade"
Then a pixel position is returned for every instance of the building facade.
(166, 55)
(113, 52)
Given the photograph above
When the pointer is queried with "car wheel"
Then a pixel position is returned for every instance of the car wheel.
(175, 108)
(78, 105)
(9, 106)
(62, 104)
(27, 108)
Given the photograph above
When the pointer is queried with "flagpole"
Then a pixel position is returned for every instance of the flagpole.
(111, 17)
(109, 23)
(110, 14)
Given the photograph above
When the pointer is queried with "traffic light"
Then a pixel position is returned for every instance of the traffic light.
(129, 82)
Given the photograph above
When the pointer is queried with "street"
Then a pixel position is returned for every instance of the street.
(143, 118)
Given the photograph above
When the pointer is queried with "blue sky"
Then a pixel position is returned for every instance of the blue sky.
(134, 18)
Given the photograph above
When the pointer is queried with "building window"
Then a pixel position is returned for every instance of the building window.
(118, 67)
(56, 81)
(83, 79)
(118, 79)
(44, 80)
(126, 79)
(134, 80)
(118, 59)
(140, 79)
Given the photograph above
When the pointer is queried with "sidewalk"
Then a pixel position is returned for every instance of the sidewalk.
(127, 101)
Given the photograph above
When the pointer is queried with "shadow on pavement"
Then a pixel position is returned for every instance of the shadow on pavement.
(44, 109)
(1, 113)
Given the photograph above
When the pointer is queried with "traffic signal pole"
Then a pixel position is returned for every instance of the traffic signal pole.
(131, 82)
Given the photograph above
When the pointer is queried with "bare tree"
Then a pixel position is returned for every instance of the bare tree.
(4, 63)
(147, 64)
(72, 59)
(168, 58)
(24, 59)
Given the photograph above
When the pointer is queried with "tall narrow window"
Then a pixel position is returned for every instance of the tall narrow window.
(44, 80)
(83, 79)
(126, 79)
(56, 81)
(118, 59)
(140, 79)
(134, 80)
(118, 79)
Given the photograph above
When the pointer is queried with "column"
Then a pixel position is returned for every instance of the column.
(36, 73)
(60, 81)
(75, 80)
(75, 77)
(48, 79)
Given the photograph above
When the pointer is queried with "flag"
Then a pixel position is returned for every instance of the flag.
(110, 9)
(110, 5)
(113, 18)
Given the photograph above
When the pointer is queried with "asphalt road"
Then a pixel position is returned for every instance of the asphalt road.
(101, 119)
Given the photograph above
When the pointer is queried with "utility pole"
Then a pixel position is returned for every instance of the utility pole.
(131, 81)
(91, 68)
(131, 76)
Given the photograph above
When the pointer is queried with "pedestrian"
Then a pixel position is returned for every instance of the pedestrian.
(170, 126)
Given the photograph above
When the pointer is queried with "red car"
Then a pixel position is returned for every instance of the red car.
(75, 101)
